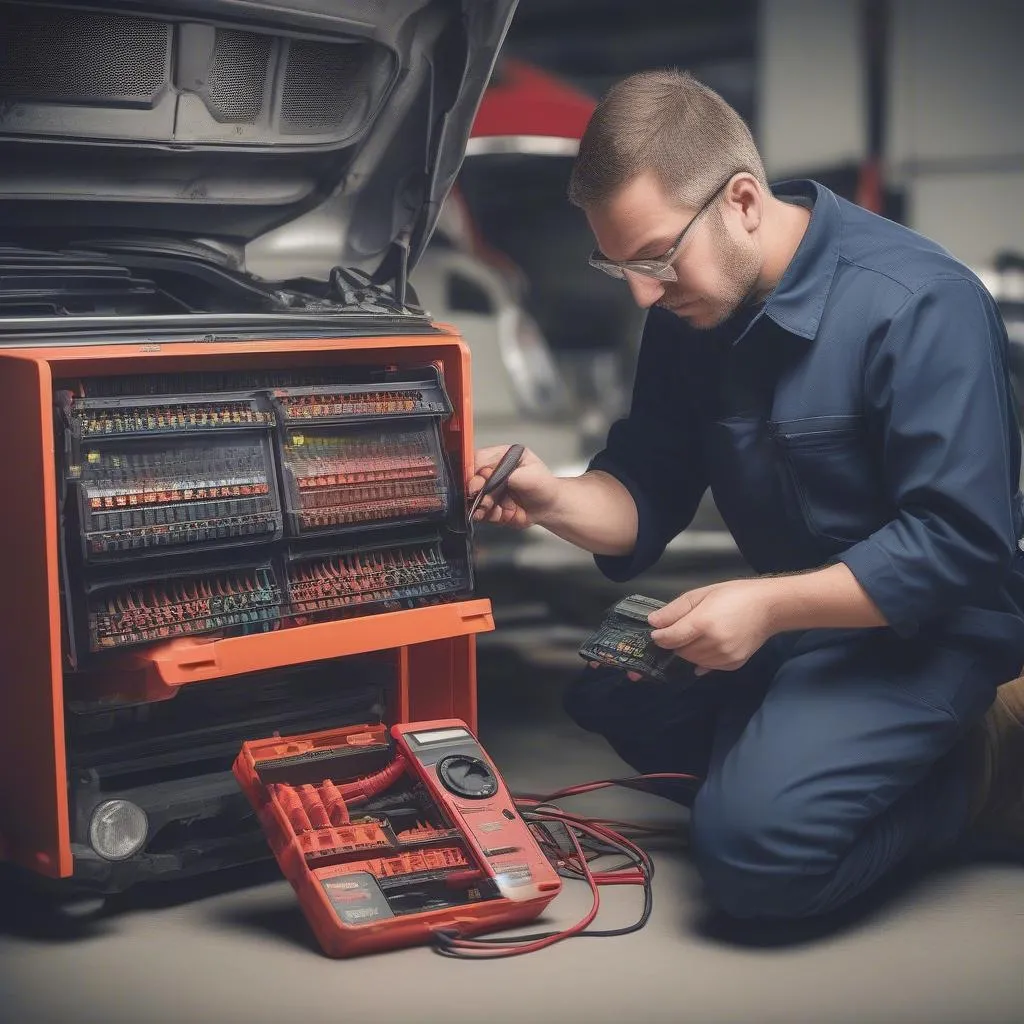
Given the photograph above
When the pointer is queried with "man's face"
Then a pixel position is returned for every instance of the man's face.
(717, 266)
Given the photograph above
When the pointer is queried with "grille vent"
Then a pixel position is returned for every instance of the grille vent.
(82, 57)
(238, 73)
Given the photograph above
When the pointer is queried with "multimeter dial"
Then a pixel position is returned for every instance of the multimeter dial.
(467, 776)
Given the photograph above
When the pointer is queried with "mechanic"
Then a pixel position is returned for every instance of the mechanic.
(841, 385)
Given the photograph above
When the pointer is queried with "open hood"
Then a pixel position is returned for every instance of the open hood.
(280, 138)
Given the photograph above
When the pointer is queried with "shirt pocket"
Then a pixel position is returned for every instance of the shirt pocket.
(828, 469)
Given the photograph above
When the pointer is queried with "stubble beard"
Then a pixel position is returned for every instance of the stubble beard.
(741, 272)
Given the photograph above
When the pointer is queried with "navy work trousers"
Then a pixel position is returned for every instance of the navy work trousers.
(828, 759)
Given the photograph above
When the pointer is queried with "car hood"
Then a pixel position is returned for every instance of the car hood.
(280, 138)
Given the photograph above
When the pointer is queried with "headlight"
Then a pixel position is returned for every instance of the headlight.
(118, 829)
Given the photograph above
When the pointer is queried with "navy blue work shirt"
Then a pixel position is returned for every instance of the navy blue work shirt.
(863, 414)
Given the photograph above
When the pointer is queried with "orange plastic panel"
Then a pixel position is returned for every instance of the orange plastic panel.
(454, 661)
(33, 791)
(155, 672)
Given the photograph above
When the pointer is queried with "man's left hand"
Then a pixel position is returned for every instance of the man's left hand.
(717, 628)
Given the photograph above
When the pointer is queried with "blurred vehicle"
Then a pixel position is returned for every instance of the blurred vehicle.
(514, 182)
(554, 343)
(519, 392)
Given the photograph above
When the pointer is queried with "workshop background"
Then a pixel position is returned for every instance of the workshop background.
(914, 108)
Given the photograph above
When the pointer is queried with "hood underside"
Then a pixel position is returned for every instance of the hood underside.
(286, 137)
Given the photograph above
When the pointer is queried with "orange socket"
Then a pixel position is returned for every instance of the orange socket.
(314, 807)
(336, 808)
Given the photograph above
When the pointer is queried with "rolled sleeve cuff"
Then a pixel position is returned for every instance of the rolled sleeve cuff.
(882, 582)
(650, 539)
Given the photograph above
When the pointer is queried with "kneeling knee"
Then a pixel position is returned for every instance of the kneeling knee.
(592, 700)
(747, 860)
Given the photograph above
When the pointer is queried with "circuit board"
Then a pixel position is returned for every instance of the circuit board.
(623, 640)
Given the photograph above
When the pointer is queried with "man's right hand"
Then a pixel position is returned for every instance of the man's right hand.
(593, 511)
(530, 491)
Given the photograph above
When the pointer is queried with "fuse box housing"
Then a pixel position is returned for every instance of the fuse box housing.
(315, 602)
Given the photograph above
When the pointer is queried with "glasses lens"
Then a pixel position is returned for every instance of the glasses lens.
(611, 269)
(658, 271)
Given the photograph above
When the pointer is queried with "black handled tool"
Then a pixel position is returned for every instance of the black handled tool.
(497, 480)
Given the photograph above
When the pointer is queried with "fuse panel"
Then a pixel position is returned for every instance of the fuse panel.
(232, 504)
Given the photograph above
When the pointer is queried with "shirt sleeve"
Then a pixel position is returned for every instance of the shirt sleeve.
(654, 452)
(940, 401)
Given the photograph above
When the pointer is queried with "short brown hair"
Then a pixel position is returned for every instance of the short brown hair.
(668, 123)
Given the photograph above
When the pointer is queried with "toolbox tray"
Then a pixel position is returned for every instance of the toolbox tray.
(379, 850)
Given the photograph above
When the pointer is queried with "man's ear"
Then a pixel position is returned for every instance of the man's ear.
(745, 197)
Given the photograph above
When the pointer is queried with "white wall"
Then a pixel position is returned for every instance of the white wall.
(956, 121)
(811, 109)
(955, 118)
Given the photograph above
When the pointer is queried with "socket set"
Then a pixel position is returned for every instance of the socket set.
(233, 601)
(395, 574)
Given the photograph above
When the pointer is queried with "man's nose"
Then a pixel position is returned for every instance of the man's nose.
(646, 290)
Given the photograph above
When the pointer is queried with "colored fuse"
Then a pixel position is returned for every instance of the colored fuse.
(212, 493)
(403, 573)
(373, 403)
(243, 601)
(156, 419)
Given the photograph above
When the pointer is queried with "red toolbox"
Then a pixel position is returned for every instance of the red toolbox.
(389, 837)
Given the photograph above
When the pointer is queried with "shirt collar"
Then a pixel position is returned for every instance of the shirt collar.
(798, 300)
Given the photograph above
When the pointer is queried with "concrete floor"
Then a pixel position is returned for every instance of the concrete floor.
(945, 948)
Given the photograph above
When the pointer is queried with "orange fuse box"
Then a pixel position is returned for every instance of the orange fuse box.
(389, 837)
(236, 443)
(216, 542)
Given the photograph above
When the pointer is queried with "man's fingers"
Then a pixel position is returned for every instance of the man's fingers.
(477, 481)
(677, 609)
(679, 634)
(674, 610)
(634, 677)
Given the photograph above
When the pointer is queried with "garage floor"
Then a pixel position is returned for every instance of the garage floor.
(946, 948)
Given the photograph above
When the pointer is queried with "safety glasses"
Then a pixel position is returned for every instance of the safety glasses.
(659, 268)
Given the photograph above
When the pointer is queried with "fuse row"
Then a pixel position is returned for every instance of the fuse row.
(366, 403)
(200, 531)
(186, 511)
(178, 607)
(156, 419)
